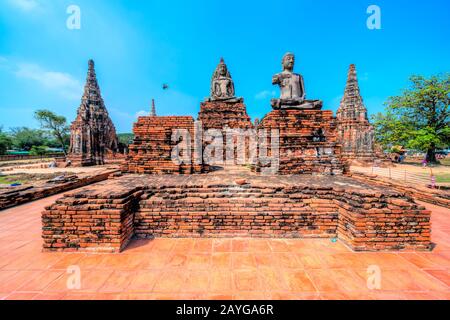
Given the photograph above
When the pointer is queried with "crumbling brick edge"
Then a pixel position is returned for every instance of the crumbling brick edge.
(20, 196)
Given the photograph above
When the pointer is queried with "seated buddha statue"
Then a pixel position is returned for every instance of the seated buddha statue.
(293, 95)
(222, 86)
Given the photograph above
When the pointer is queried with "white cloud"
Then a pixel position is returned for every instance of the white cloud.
(25, 5)
(141, 113)
(63, 83)
(265, 94)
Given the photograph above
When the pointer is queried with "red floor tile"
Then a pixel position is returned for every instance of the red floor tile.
(237, 268)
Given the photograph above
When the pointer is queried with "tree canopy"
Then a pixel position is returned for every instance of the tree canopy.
(55, 125)
(5, 142)
(419, 118)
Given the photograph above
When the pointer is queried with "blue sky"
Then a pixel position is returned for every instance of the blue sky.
(139, 45)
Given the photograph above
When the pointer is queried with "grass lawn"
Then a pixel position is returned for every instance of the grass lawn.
(11, 179)
(443, 178)
(446, 161)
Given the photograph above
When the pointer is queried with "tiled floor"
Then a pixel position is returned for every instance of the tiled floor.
(216, 268)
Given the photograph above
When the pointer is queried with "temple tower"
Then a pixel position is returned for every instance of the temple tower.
(355, 133)
(153, 110)
(92, 134)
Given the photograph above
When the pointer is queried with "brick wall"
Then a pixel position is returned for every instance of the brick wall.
(235, 211)
(82, 221)
(152, 146)
(233, 115)
(105, 217)
(308, 141)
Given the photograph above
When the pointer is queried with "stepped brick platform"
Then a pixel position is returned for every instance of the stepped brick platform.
(152, 146)
(104, 217)
(307, 142)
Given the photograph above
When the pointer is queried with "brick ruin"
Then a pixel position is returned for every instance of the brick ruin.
(355, 133)
(307, 141)
(14, 196)
(106, 216)
(151, 150)
(92, 134)
(307, 197)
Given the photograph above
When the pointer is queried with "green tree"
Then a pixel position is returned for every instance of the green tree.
(5, 142)
(419, 118)
(125, 138)
(56, 125)
(391, 129)
(24, 138)
(38, 151)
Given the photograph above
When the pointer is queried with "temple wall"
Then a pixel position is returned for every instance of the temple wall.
(238, 211)
(105, 218)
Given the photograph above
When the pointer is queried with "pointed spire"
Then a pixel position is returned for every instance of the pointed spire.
(153, 111)
(352, 88)
(352, 105)
(91, 89)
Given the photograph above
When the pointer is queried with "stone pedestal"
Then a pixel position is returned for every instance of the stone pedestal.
(225, 115)
(221, 114)
(307, 141)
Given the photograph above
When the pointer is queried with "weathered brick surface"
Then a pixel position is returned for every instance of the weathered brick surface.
(228, 211)
(101, 221)
(308, 142)
(152, 146)
(365, 217)
(223, 116)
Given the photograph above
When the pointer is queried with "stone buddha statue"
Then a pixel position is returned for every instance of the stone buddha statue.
(222, 86)
(293, 95)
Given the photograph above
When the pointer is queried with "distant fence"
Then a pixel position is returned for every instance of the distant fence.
(417, 178)
(14, 157)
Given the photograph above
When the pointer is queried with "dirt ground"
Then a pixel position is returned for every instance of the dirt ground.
(418, 168)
